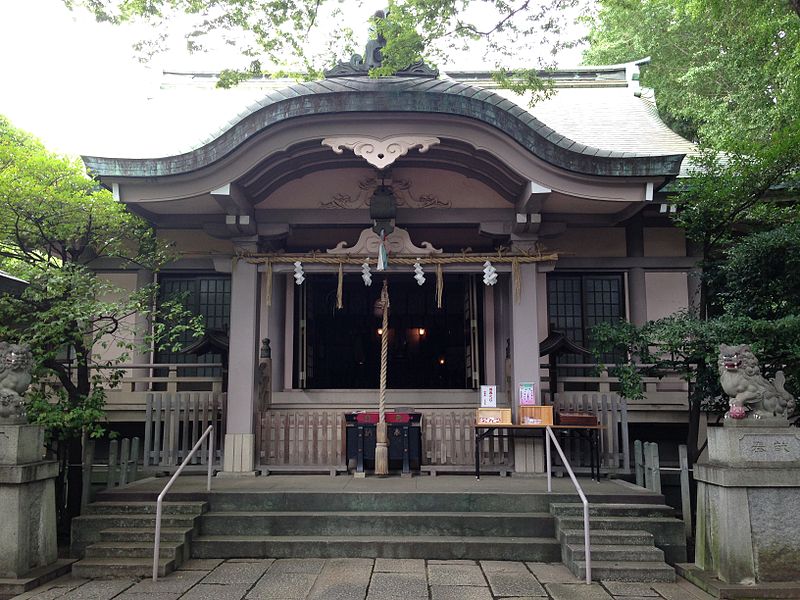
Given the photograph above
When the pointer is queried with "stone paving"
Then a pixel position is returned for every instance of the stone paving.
(361, 579)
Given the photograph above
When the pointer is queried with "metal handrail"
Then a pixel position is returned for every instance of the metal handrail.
(587, 551)
(206, 434)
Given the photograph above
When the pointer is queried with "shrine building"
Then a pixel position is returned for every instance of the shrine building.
(275, 200)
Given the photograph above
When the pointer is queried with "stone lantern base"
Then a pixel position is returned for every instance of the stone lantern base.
(28, 550)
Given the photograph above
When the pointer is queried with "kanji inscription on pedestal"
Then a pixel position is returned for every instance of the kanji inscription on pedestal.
(765, 447)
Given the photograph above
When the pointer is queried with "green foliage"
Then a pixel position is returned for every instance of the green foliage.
(55, 223)
(727, 72)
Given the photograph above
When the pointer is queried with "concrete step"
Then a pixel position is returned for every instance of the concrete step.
(378, 523)
(394, 546)
(171, 550)
(145, 508)
(614, 553)
(114, 568)
(626, 571)
(406, 501)
(613, 510)
(625, 537)
(168, 534)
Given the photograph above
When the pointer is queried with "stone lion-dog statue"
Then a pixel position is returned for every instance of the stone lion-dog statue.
(750, 394)
(16, 362)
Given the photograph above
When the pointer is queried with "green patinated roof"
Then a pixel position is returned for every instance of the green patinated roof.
(403, 95)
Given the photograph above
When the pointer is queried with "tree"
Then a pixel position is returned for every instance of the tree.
(727, 73)
(308, 36)
(55, 222)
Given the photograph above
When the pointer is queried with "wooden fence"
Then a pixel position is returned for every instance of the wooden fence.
(612, 413)
(174, 421)
(305, 438)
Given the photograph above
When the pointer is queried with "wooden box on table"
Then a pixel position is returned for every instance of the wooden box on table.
(493, 416)
(535, 415)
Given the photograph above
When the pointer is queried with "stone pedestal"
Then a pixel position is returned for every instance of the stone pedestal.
(27, 502)
(748, 499)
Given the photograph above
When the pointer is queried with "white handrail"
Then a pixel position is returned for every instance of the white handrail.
(206, 434)
(551, 436)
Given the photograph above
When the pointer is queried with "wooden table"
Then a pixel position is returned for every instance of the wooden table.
(588, 432)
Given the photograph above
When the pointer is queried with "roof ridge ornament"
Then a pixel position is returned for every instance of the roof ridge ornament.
(373, 58)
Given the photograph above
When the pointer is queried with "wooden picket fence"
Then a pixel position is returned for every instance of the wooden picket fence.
(174, 421)
(301, 438)
(308, 438)
(612, 413)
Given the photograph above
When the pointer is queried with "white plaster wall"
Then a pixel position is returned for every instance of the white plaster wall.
(316, 189)
(126, 282)
(664, 241)
(602, 241)
(666, 294)
(193, 240)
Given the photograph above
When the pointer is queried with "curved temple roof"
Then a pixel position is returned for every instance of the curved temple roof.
(398, 95)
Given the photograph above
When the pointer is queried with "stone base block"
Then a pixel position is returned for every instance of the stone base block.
(21, 444)
(14, 587)
(719, 589)
(747, 497)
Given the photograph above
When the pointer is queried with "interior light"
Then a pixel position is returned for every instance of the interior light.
(441, 361)
(422, 331)
(380, 330)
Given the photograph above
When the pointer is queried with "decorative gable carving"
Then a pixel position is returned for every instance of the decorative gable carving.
(400, 187)
(397, 242)
(381, 152)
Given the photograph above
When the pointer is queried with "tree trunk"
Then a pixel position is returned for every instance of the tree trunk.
(795, 4)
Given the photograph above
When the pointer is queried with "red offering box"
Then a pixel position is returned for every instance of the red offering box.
(576, 418)
(373, 417)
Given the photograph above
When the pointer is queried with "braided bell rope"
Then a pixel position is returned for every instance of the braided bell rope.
(384, 352)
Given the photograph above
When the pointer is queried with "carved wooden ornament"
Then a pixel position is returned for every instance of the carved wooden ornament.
(397, 242)
(381, 152)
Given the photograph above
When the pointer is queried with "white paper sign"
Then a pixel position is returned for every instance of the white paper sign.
(488, 396)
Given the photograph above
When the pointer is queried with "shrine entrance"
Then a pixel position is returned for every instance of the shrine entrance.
(429, 347)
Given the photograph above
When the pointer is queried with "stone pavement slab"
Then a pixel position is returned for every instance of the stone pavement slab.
(460, 561)
(286, 586)
(215, 591)
(343, 579)
(552, 573)
(577, 591)
(514, 583)
(150, 596)
(621, 588)
(98, 590)
(201, 564)
(53, 589)
(177, 582)
(400, 565)
(398, 586)
(455, 574)
(238, 573)
(298, 565)
(459, 592)
(503, 566)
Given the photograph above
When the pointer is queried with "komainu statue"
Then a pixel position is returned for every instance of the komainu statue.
(16, 362)
(751, 394)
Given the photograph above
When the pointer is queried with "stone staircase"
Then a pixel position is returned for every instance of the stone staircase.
(630, 542)
(387, 525)
(115, 539)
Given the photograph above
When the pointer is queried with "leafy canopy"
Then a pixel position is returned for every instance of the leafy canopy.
(55, 224)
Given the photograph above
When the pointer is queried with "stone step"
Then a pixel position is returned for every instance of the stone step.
(378, 523)
(114, 568)
(145, 508)
(665, 530)
(86, 529)
(613, 510)
(406, 502)
(143, 534)
(171, 550)
(395, 546)
(614, 553)
(625, 571)
(624, 537)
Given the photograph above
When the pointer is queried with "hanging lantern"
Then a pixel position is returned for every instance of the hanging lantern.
(382, 210)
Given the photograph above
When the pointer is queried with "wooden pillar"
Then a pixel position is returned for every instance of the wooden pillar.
(242, 370)
(637, 294)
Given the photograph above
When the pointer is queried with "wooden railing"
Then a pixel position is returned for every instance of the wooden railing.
(316, 437)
